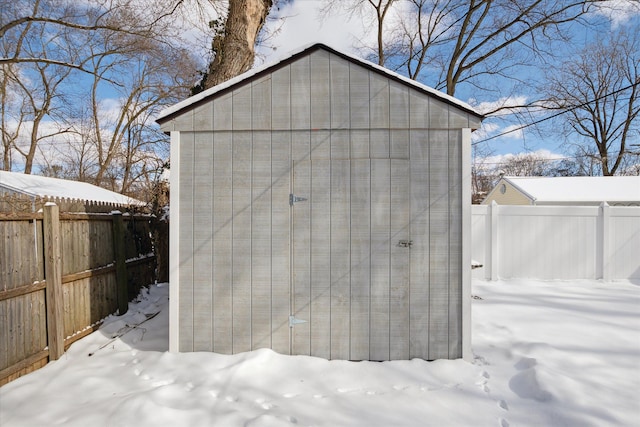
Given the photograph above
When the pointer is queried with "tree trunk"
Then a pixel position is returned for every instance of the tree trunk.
(234, 51)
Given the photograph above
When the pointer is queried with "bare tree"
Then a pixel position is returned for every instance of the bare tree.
(234, 41)
(461, 41)
(381, 9)
(124, 49)
(526, 164)
(599, 91)
(483, 174)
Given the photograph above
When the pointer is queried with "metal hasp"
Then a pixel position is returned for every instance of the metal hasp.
(293, 199)
(293, 321)
(405, 243)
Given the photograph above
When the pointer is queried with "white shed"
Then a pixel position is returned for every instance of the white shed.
(320, 206)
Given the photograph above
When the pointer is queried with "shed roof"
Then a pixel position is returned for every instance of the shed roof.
(42, 186)
(578, 188)
(198, 99)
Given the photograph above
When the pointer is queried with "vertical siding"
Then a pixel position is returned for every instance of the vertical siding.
(261, 241)
(203, 243)
(358, 97)
(301, 272)
(241, 108)
(320, 90)
(320, 320)
(378, 165)
(419, 288)
(280, 241)
(340, 262)
(439, 229)
(300, 94)
(340, 107)
(280, 102)
(222, 113)
(222, 309)
(379, 101)
(261, 104)
(186, 249)
(360, 268)
(455, 245)
(381, 213)
(399, 270)
(242, 251)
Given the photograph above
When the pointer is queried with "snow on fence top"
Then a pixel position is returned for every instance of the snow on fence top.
(27, 193)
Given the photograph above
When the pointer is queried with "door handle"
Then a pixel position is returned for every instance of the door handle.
(405, 243)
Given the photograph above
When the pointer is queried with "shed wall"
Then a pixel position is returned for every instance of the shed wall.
(321, 120)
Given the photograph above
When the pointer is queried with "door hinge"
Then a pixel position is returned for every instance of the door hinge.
(293, 321)
(294, 199)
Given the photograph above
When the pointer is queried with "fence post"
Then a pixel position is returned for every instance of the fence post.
(53, 277)
(493, 240)
(605, 260)
(121, 268)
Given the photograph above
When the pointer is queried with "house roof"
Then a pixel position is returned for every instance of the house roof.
(42, 186)
(202, 97)
(578, 188)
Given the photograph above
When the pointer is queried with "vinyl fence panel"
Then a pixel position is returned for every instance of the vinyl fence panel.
(556, 242)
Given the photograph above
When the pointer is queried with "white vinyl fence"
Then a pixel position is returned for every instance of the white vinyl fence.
(556, 242)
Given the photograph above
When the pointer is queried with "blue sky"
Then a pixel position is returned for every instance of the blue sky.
(304, 25)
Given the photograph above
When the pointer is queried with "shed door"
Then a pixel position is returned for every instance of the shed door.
(350, 259)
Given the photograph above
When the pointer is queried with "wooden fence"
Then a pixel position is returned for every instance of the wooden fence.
(61, 275)
(556, 242)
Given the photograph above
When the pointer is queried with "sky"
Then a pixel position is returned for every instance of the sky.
(296, 23)
(304, 24)
(546, 353)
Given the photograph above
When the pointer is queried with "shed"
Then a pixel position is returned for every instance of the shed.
(566, 191)
(319, 206)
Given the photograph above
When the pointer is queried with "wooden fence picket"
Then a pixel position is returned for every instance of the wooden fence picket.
(62, 274)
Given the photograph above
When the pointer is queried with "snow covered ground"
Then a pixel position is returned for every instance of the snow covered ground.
(546, 354)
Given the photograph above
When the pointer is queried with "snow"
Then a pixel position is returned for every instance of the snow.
(35, 185)
(558, 353)
(579, 188)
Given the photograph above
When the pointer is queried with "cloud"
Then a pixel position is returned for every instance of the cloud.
(487, 107)
(303, 26)
(491, 129)
(619, 11)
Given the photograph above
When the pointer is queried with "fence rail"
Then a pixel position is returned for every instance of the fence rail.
(61, 274)
(556, 242)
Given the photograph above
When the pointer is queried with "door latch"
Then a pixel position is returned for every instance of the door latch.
(405, 243)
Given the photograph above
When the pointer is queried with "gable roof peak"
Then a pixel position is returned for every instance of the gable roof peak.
(294, 55)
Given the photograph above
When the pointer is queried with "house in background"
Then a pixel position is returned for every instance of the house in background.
(573, 191)
(319, 206)
(39, 189)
